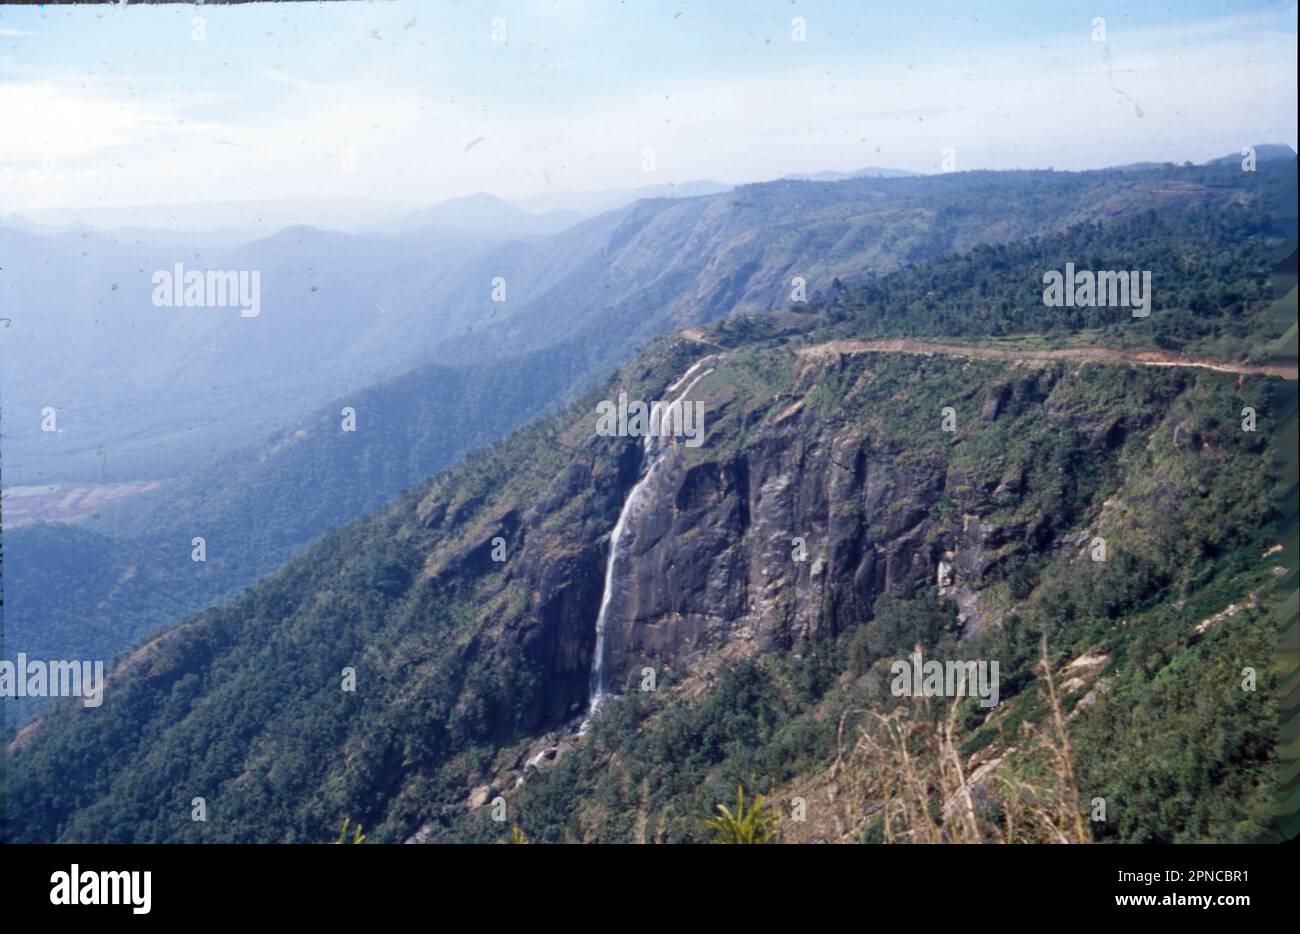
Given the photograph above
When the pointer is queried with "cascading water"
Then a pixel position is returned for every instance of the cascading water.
(652, 449)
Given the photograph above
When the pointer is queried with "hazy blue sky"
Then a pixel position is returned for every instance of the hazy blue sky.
(124, 105)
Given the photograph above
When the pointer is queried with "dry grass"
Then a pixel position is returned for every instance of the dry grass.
(903, 768)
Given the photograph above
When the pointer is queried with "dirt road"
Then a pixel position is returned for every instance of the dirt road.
(1079, 354)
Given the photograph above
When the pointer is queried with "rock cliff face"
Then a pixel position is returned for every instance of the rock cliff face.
(786, 525)
(797, 533)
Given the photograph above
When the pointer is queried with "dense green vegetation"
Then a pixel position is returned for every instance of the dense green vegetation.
(1210, 273)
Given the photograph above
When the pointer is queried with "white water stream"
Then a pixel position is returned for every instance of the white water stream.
(653, 449)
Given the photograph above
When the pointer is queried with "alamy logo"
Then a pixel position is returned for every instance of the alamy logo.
(177, 288)
(1088, 289)
(103, 888)
(679, 419)
(915, 678)
(35, 678)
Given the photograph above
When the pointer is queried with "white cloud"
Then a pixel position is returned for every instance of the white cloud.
(89, 139)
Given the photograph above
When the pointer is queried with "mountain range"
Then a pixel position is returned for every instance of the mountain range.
(765, 582)
(342, 311)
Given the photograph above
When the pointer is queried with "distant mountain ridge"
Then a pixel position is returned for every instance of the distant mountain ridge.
(591, 203)
(251, 219)
(345, 310)
(1264, 152)
(869, 172)
(228, 224)
(482, 213)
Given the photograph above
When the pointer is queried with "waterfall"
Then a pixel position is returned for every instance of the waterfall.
(652, 450)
